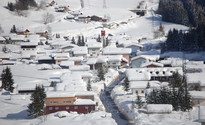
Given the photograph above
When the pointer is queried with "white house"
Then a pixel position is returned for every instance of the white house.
(139, 87)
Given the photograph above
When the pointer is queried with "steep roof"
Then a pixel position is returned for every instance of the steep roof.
(116, 51)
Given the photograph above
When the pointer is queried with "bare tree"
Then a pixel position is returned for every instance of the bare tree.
(48, 18)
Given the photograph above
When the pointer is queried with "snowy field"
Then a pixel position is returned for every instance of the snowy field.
(13, 108)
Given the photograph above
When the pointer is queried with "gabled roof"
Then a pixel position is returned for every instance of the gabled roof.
(147, 57)
(143, 84)
(80, 50)
(116, 51)
(84, 102)
(143, 65)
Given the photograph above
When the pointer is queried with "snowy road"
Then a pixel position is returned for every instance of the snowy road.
(110, 105)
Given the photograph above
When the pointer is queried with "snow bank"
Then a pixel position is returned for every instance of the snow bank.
(159, 108)
(17, 97)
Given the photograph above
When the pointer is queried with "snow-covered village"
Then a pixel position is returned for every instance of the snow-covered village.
(97, 62)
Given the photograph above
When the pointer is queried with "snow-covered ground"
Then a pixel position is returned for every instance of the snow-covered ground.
(13, 108)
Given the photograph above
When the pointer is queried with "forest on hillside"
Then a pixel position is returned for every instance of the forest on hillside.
(186, 12)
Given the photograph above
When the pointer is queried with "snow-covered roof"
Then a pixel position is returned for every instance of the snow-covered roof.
(77, 58)
(29, 43)
(80, 50)
(116, 51)
(132, 44)
(79, 68)
(17, 37)
(52, 94)
(146, 73)
(44, 57)
(84, 102)
(94, 44)
(147, 57)
(174, 62)
(195, 78)
(201, 114)
(134, 75)
(159, 108)
(151, 63)
(143, 84)
(67, 63)
(91, 61)
(197, 94)
(2, 38)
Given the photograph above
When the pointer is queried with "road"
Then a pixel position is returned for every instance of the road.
(109, 103)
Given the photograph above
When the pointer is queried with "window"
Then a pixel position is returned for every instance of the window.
(56, 108)
(66, 101)
(86, 107)
(75, 107)
(50, 108)
(142, 91)
(53, 102)
(67, 107)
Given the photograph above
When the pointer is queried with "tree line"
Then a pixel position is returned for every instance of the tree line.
(21, 5)
(186, 12)
(176, 94)
(191, 41)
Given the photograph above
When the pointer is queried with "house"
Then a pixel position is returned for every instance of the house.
(80, 51)
(26, 32)
(94, 47)
(198, 98)
(80, 102)
(97, 19)
(45, 59)
(79, 68)
(139, 87)
(137, 61)
(159, 108)
(125, 52)
(61, 9)
(2, 40)
(77, 60)
(173, 62)
(151, 64)
(28, 46)
(201, 115)
(67, 64)
(134, 46)
(52, 3)
(195, 81)
(16, 39)
(162, 74)
(59, 57)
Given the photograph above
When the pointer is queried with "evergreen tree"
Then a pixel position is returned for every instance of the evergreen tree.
(148, 85)
(139, 101)
(126, 84)
(101, 73)
(83, 41)
(11, 6)
(176, 80)
(7, 80)
(99, 38)
(13, 29)
(36, 107)
(79, 41)
(73, 40)
(175, 99)
(89, 85)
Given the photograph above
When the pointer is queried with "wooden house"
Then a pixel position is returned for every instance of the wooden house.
(69, 101)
